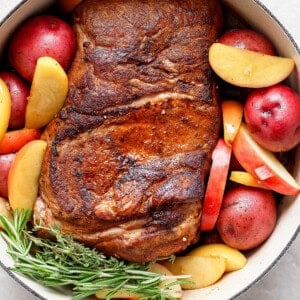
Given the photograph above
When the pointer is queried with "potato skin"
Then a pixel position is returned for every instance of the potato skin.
(248, 39)
(247, 217)
(19, 91)
(43, 35)
(5, 164)
(272, 115)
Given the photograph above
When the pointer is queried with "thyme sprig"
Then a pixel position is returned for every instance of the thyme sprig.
(65, 262)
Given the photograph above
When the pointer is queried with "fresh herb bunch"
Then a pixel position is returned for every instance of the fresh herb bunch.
(65, 262)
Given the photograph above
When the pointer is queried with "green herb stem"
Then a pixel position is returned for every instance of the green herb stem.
(64, 262)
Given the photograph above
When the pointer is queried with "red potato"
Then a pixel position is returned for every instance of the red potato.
(19, 91)
(5, 164)
(247, 217)
(272, 116)
(248, 39)
(41, 36)
(14, 140)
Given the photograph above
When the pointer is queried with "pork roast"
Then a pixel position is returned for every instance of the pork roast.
(129, 153)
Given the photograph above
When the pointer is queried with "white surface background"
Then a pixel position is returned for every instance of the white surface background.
(283, 281)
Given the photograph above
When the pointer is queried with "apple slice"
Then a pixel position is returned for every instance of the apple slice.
(14, 140)
(24, 175)
(5, 108)
(204, 271)
(246, 178)
(47, 94)
(262, 164)
(232, 119)
(246, 68)
(235, 260)
(215, 185)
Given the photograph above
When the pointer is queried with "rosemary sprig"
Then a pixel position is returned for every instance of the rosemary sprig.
(65, 262)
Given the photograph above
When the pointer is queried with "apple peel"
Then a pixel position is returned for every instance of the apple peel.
(216, 185)
(262, 164)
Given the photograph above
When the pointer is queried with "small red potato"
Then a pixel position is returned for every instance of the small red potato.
(247, 217)
(19, 91)
(41, 36)
(5, 164)
(249, 40)
(272, 116)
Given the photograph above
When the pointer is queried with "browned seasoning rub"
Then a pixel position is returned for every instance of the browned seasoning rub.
(128, 154)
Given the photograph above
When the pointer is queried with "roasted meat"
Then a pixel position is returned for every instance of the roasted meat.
(129, 153)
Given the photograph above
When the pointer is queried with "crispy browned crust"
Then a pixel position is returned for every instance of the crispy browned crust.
(128, 154)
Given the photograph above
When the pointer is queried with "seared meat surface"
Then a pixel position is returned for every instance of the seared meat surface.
(130, 151)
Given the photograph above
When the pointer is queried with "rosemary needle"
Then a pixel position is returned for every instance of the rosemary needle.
(65, 262)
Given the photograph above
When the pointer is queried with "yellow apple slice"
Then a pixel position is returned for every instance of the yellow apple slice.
(24, 174)
(5, 210)
(232, 119)
(247, 68)
(235, 260)
(174, 290)
(262, 164)
(47, 94)
(5, 108)
(204, 271)
(246, 178)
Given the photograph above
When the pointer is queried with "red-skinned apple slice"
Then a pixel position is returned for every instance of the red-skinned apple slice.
(215, 185)
(262, 164)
